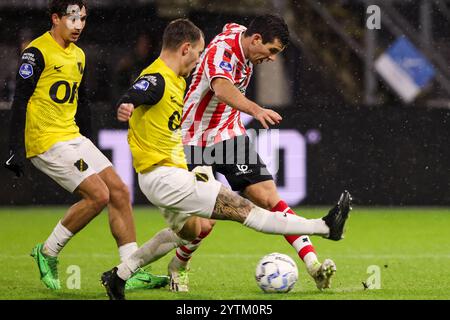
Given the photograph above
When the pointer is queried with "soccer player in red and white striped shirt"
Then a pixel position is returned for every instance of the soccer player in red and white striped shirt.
(211, 125)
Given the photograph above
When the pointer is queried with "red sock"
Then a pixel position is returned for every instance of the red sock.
(301, 244)
(184, 253)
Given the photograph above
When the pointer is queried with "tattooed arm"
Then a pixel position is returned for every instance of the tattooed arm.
(230, 206)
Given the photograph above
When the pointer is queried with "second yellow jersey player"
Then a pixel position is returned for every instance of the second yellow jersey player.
(154, 135)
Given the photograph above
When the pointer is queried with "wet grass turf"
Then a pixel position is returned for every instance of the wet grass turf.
(410, 246)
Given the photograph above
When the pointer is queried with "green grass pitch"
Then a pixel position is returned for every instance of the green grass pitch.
(411, 247)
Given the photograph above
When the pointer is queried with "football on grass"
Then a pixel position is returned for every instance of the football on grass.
(276, 272)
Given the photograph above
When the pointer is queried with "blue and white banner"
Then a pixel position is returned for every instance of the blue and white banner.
(405, 69)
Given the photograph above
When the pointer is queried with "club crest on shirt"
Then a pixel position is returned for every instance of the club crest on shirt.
(26, 70)
(201, 177)
(81, 165)
(141, 85)
(226, 66)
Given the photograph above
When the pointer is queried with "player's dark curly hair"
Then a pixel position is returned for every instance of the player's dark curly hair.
(60, 6)
(179, 31)
(270, 27)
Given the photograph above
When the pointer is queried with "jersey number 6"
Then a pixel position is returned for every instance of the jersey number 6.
(174, 117)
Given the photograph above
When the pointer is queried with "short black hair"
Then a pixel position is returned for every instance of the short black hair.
(179, 31)
(60, 6)
(270, 27)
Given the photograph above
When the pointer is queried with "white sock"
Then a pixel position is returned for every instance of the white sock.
(310, 260)
(57, 240)
(177, 264)
(162, 243)
(127, 250)
(283, 223)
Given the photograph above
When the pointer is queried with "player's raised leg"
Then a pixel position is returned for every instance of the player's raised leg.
(230, 206)
(265, 195)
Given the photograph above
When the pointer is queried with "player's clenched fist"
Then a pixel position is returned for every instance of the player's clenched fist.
(124, 112)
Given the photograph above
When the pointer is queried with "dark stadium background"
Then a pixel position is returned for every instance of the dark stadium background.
(367, 140)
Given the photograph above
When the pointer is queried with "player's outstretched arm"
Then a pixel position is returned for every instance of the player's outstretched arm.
(229, 94)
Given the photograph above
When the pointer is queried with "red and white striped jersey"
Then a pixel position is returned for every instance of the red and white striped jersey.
(206, 120)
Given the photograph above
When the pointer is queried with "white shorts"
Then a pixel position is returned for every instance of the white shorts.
(180, 193)
(70, 162)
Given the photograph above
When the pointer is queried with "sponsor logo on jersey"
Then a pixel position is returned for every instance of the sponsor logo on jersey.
(29, 56)
(26, 70)
(141, 85)
(58, 68)
(243, 168)
(226, 66)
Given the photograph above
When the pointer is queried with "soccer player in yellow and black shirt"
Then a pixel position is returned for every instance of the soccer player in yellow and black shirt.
(153, 107)
(50, 107)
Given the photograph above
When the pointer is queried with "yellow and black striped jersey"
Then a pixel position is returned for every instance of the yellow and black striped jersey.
(154, 134)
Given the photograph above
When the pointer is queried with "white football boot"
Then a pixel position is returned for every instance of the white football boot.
(322, 273)
(179, 277)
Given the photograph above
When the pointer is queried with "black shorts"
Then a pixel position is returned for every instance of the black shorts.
(235, 158)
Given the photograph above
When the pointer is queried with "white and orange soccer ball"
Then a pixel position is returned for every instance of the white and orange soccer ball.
(276, 272)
